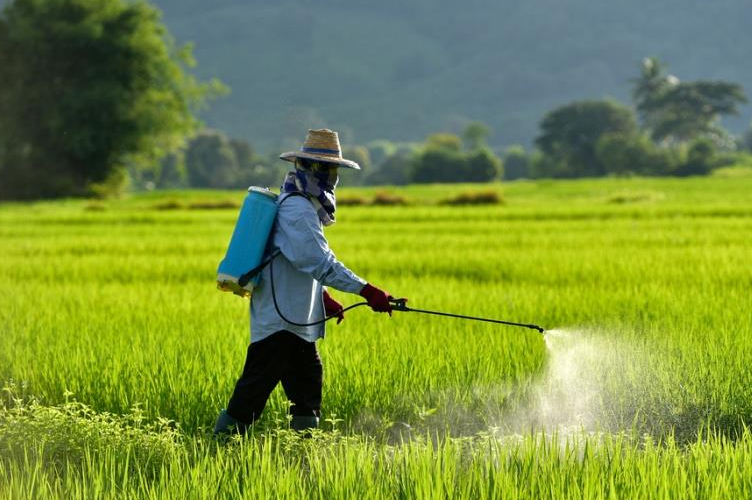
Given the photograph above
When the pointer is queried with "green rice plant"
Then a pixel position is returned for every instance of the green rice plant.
(123, 351)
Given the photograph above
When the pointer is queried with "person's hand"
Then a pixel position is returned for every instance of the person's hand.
(333, 307)
(377, 299)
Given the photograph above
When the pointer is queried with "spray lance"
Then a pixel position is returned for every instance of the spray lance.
(397, 305)
(401, 305)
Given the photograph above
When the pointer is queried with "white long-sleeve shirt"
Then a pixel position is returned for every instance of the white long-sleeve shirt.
(305, 265)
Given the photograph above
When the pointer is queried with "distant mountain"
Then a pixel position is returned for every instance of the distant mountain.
(400, 69)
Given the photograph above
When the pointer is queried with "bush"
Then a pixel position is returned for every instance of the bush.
(438, 165)
(168, 205)
(626, 154)
(474, 198)
(385, 198)
(545, 166)
(442, 162)
(95, 206)
(700, 157)
(346, 201)
(395, 170)
(516, 163)
(626, 196)
(482, 166)
(213, 205)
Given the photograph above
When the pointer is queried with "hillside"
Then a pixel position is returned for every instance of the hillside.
(400, 69)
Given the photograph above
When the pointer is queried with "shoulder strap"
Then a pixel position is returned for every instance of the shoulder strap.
(295, 193)
(245, 278)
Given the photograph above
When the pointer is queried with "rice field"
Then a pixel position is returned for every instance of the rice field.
(117, 351)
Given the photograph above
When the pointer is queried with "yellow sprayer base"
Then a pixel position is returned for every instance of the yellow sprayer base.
(231, 286)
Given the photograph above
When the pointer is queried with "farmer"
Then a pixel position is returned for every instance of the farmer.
(292, 290)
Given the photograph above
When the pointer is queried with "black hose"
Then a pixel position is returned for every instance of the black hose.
(320, 322)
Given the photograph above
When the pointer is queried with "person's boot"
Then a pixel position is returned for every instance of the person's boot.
(226, 425)
(303, 423)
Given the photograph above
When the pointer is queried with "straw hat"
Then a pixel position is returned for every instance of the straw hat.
(321, 145)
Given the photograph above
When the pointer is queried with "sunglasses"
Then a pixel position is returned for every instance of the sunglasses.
(318, 166)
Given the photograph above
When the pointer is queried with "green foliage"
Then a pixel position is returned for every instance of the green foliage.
(116, 182)
(700, 158)
(360, 155)
(746, 139)
(569, 135)
(652, 83)
(475, 136)
(68, 433)
(213, 160)
(682, 111)
(442, 160)
(445, 141)
(173, 174)
(414, 406)
(89, 86)
(394, 170)
(482, 165)
(622, 154)
(401, 69)
(436, 164)
(516, 163)
(379, 151)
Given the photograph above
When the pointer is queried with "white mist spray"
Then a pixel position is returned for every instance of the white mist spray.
(568, 396)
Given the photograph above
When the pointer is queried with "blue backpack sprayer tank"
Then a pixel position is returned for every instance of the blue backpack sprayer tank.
(246, 248)
(239, 271)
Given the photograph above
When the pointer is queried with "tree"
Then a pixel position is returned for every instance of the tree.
(379, 151)
(172, 173)
(683, 111)
(623, 154)
(516, 163)
(648, 87)
(475, 136)
(393, 170)
(89, 87)
(361, 156)
(569, 135)
(443, 140)
(211, 161)
(700, 158)
(745, 141)
(253, 170)
(442, 160)
(442, 165)
(482, 165)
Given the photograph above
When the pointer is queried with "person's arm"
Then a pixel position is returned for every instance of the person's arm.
(301, 240)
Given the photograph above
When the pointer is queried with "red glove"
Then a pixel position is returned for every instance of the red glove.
(377, 299)
(332, 307)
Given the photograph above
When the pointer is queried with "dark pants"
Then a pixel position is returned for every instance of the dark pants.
(282, 357)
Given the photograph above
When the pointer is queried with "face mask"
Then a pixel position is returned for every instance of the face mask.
(324, 175)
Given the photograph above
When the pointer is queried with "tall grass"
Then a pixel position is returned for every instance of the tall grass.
(115, 308)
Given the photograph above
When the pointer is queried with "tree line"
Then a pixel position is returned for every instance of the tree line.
(96, 95)
(672, 128)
